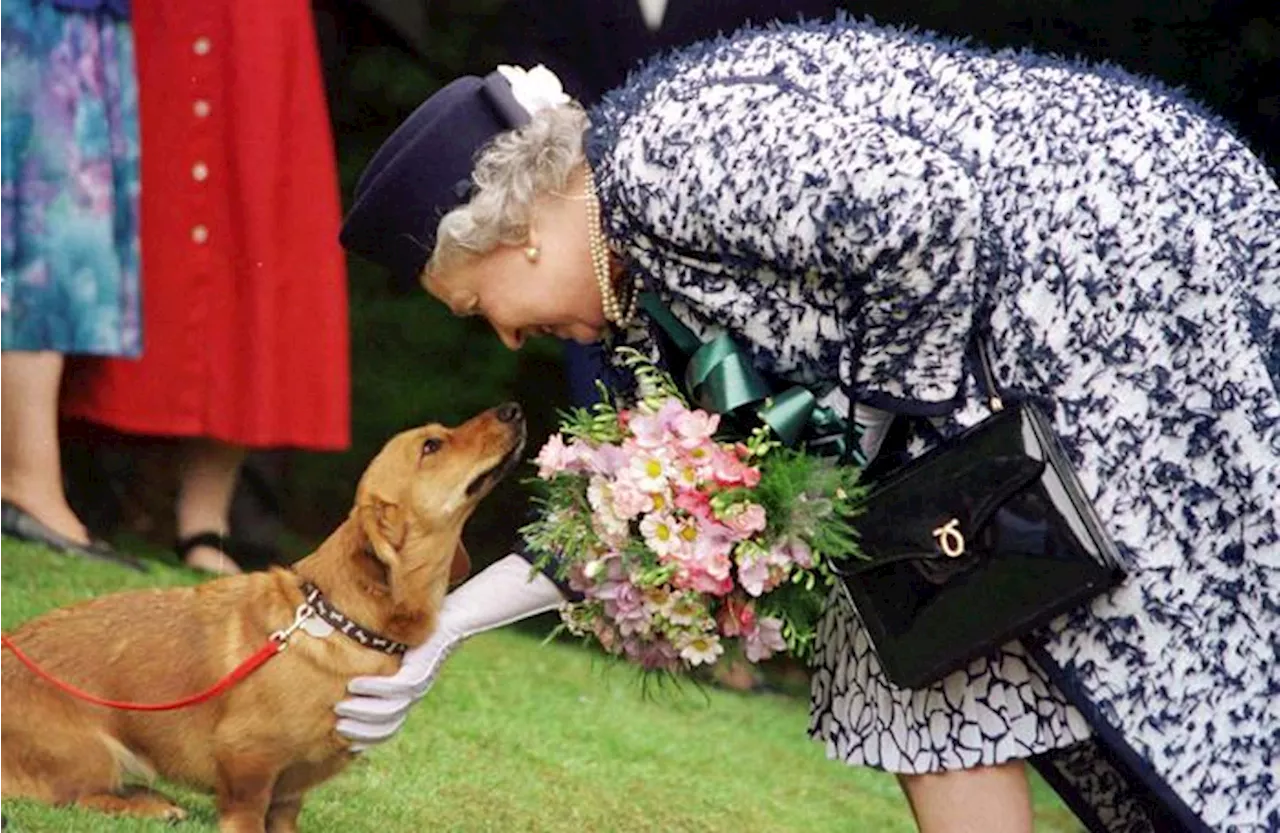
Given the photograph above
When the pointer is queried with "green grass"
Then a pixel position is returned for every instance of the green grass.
(522, 736)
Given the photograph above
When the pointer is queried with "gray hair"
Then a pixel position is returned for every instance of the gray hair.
(511, 172)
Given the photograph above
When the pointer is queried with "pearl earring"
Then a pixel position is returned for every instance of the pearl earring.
(532, 253)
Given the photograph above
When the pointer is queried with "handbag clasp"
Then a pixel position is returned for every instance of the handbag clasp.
(950, 539)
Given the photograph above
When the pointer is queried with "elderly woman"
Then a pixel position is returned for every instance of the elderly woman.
(853, 204)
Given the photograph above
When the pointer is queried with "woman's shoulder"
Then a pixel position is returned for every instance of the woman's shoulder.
(829, 60)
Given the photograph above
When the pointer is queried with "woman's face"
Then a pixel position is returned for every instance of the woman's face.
(555, 294)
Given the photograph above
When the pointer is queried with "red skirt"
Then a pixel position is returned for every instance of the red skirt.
(245, 330)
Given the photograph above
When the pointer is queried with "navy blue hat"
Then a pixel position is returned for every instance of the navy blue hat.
(424, 170)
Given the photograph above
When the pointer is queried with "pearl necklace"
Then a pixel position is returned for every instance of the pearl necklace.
(600, 263)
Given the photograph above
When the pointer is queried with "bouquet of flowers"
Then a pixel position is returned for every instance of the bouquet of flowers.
(680, 539)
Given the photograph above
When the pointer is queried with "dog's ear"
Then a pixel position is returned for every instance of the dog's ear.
(382, 524)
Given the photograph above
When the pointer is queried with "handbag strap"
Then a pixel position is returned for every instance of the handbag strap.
(853, 436)
(988, 375)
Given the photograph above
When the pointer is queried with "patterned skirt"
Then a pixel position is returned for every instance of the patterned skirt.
(70, 182)
(998, 709)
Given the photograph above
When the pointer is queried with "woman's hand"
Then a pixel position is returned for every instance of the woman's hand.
(499, 595)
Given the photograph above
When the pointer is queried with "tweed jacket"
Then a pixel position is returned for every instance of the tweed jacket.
(854, 202)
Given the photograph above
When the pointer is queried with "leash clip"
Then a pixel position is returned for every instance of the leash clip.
(300, 616)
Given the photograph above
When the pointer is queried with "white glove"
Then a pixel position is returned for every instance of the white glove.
(500, 594)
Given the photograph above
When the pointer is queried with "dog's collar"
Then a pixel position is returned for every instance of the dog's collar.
(369, 639)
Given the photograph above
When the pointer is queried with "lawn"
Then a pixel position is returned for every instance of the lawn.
(519, 735)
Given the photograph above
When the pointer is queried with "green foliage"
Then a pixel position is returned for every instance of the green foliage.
(597, 423)
(813, 498)
(562, 533)
(653, 384)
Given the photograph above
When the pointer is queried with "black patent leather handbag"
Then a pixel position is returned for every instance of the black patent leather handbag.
(978, 542)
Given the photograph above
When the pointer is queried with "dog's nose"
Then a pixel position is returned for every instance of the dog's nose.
(510, 412)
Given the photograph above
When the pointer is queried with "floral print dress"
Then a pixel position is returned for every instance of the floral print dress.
(70, 181)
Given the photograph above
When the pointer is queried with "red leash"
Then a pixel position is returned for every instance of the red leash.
(276, 643)
(241, 671)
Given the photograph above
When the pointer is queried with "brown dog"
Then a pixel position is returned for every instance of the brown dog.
(264, 743)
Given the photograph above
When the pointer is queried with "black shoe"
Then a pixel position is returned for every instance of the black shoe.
(221, 543)
(19, 523)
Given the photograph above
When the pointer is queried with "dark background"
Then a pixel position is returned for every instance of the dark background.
(412, 362)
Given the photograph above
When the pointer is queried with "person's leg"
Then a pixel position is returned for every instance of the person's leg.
(30, 460)
(207, 481)
(989, 799)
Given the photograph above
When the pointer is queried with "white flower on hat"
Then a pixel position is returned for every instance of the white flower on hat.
(534, 89)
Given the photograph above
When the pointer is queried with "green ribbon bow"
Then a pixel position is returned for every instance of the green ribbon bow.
(720, 378)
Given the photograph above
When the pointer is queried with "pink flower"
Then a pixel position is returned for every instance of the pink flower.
(753, 574)
(554, 457)
(607, 635)
(779, 561)
(714, 541)
(579, 581)
(717, 565)
(658, 654)
(799, 553)
(606, 459)
(700, 580)
(745, 519)
(695, 503)
(693, 428)
(646, 430)
(670, 412)
(624, 602)
(702, 458)
(636, 623)
(728, 470)
(606, 576)
(650, 429)
(685, 476)
(764, 640)
(737, 616)
(628, 501)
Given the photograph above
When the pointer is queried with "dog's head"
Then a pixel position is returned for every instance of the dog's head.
(421, 488)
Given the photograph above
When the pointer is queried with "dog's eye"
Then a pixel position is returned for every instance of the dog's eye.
(431, 445)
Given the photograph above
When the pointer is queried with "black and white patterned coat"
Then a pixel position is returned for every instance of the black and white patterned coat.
(851, 201)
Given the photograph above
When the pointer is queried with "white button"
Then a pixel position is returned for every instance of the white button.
(201, 108)
(199, 234)
(199, 172)
(201, 46)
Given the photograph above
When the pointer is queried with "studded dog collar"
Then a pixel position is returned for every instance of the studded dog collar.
(369, 639)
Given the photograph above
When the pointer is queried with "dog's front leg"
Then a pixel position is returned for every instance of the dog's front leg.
(245, 784)
(282, 815)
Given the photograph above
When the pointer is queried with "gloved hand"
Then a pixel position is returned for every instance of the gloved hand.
(500, 594)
